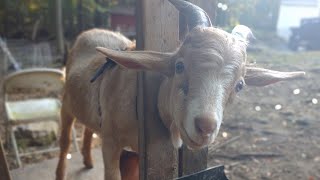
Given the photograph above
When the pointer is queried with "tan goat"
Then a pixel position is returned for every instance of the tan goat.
(200, 78)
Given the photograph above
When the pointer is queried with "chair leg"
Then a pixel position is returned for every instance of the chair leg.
(15, 147)
(74, 137)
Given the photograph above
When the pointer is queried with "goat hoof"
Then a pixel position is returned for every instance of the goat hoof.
(88, 165)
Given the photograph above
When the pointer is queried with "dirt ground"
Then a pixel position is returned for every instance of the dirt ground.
(256, 140)
(269, 143)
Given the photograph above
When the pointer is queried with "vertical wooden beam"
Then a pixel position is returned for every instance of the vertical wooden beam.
(194, 161)
(59, 27)
(159, 25)
(158, 30)
(139, 24)
(140, 90)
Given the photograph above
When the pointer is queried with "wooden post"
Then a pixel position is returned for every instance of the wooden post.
(158, 30)
(59, 27)
(194, 161)
(158, 24)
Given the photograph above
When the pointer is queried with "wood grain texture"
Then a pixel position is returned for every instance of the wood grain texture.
(158, 30)
(158, 158)
(161, 32)
(194, 161)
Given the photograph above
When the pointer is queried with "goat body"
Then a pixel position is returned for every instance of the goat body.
(200, 78)
(82, 100)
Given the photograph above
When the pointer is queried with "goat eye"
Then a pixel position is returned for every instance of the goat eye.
(179, 67)
(239, 86)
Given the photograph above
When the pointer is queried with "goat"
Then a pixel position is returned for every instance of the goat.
(200, 78)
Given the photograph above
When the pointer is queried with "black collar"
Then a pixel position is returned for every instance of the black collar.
(109, 64)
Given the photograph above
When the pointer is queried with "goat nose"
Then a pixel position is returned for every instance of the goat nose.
(205, 124)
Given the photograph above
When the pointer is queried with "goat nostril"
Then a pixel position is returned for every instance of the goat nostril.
(205, 125)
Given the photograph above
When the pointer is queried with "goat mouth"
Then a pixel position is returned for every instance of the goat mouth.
(189, 141)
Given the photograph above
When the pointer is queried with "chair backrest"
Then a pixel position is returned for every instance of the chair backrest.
(45, 79)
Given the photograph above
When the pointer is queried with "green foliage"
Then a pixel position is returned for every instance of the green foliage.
(18, 14)
(18, 17)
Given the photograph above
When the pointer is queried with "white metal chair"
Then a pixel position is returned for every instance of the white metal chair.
(44, 81)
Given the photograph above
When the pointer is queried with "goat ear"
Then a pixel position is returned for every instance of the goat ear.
(141, 60)
(262, 77)
(243, 33)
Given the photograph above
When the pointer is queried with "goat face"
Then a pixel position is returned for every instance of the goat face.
(209, 70)
(202, 76)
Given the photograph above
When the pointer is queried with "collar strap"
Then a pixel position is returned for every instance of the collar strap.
(109, 64)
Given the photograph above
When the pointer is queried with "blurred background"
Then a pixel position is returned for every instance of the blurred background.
(269, 133)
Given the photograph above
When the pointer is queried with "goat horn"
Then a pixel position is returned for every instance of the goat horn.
(194, 14)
